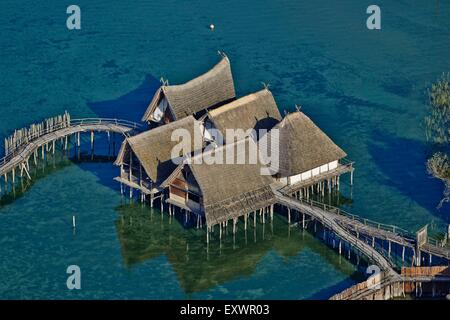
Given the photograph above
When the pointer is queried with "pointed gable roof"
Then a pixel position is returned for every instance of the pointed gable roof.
(303, 145)
(254, 111)
(154, 147)
(210, 89)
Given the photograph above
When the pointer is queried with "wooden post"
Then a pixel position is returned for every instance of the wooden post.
(109, 144)
(403, 253)
(289, 215)
(303, 221)
(389, 248)
(130, 173)
(254, 218)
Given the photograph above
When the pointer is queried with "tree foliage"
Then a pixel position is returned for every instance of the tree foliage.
(439, 167)
(438, 122)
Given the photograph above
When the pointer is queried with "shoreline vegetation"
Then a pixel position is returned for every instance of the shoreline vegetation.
(438, 133)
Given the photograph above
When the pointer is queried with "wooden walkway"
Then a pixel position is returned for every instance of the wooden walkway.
(388, 287)
(330, 220)
(357, 231)
(19, 158)
(375, 230)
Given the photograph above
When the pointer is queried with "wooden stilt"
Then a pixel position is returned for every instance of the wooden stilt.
(263, 215)
(92, 145)
(109, 144)
(303, 221)
(289, 215)
(389, 248)
(245, 221)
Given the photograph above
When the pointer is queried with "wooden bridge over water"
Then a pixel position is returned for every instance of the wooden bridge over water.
(363, 236)
(37, 142)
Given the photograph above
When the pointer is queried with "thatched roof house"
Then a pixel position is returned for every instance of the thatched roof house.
(302, 158)
(305, 150)
(254, 111)
(152, 152)
(211, 89)
(222, 191)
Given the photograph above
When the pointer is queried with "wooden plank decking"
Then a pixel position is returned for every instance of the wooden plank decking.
(22, 155)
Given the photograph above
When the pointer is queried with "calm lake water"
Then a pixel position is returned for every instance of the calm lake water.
(366, 89)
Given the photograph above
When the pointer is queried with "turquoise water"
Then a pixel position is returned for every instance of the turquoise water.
(366, 89)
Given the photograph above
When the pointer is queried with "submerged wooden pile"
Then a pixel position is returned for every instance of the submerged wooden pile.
(23, 136)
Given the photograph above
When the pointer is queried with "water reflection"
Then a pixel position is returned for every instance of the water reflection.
(146, 234)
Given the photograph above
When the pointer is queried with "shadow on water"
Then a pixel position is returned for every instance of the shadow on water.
(145, 234)
(403, 162)
(53, 164)
(131, 106)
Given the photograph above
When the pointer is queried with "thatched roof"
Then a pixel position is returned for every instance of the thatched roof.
(153, 148)
(231, 190)
(254, 111)
(303, 146)
(211, 89)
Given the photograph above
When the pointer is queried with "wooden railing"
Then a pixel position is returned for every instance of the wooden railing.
(60, 126)
(407, 235)
(436, 271)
